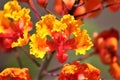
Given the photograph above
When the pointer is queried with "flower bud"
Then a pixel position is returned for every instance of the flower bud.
(23, 0)
(79, 10)
(69, 3)
(42, 3)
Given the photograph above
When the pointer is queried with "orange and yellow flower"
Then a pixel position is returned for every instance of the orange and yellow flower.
(56, 35)
(77, 71)
(15, 74)
(14, 25)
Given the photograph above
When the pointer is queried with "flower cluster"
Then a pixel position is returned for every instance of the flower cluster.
(57, 34)
(106, 46)
(64, 34)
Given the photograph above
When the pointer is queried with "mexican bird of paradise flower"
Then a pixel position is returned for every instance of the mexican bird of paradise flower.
(60, 36)
(14, 26)
(77, 71)
(106, 45)
(15, 74)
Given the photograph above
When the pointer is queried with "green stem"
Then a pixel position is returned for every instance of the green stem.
(38, 15)
(30, 57)
(50, 74)
(18, 59)
(48, 11)
(80, 59)
(86, 56)
(44, 66)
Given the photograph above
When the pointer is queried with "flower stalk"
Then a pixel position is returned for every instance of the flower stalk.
(30, 57)
(44, 66)
(18, 59)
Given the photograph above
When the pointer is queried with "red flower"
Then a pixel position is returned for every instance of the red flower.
(106, 45)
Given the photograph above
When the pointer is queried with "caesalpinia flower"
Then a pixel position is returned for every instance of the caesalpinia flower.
(14, 25)
(15, 74)
(53, 34)
(106, 45)
(77, 71)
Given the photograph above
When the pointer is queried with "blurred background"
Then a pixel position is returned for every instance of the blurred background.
(104, 21)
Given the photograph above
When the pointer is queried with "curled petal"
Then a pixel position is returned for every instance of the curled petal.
(82, 42)
(77, 71)
(62, 57)
(72, 25)
(38, 46)
(11, 6)
(44, 26)
(24, 24)
(58, 26)
(15, 74)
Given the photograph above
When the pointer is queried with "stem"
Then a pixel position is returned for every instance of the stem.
(86, 56)
(29, 56)
(74, 7)
(38, 15)
(55, 69)
(50, 74)
(48, 11)
(44, 66)
(18, 59)
(81, 59)
(98, 9)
